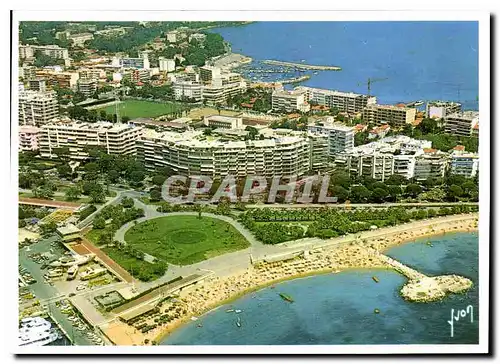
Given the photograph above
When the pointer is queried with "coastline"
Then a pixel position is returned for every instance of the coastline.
(350, 261)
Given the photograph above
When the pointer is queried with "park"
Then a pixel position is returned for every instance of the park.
(141, 108)
(184, 240)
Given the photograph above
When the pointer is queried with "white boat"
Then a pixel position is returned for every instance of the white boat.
(194, 318)
(73, 260)
(72, 271)
(36, 331)
(90, 273)
(237, 311)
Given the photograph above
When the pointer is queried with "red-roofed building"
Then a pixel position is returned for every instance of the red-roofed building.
(360, 128)
(430, 150)
(460, 148)
(379, 131)
(417, 121)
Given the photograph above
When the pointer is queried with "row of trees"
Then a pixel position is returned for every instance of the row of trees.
(330, 222)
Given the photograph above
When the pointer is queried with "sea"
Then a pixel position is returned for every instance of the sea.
(412, 60)
(339, 309)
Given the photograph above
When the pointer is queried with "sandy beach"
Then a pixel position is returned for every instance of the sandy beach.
(216, 291)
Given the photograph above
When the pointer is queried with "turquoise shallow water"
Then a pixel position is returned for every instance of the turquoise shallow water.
(339, 308)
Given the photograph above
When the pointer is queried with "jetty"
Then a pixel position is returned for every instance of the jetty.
(421, 288)
(301, 65)
(296, 79)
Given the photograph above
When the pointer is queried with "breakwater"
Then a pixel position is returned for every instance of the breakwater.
(302, 66)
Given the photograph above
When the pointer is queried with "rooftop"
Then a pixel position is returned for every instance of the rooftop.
(464, 115)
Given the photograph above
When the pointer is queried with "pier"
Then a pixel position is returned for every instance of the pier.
(421, 288)
(301, 65)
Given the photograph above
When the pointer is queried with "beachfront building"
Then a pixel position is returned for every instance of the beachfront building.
(283, 100)
(115, 138)
(430, 163)
(28, 137)
(166, 65)
(461, 123)
(224, 122)
(464, 163)
(441, 109)
(395, 116)
(37, 107)
(349, 102)
(192, 153)
(390, 155)
(340, 137)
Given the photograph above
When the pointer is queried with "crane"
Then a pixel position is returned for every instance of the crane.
(370, 81)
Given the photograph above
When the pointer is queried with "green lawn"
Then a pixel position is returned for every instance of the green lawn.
(140, 269)
(140, 109)
(183, 240)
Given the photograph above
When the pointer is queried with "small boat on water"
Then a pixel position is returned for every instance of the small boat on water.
(238, 311)
(199, 325)
(286, 297)
(238, 322)
(230, 310)
(375, 279)
(194, 318)
(376, 310)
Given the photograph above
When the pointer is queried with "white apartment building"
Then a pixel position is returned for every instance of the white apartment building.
(87, 86)
(349, 102)
(54, 51)
(166, 65)
(37, 107)
(208, 73)
(187, 89)
(289, 101)
(37, 84)
(430, 163)
(116, 138)
(225, 122)
(216, 93)
(462, 123)
(391, 155)
(92, 73)
(340, 137)
(200, 37)
(441, 109)
(190, 153)
(28, 137)
(395, 116)
(464, 163)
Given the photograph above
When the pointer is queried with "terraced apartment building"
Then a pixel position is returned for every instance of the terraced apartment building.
(115, 138)
(396, 116)
(349, 102)
(191, 153)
